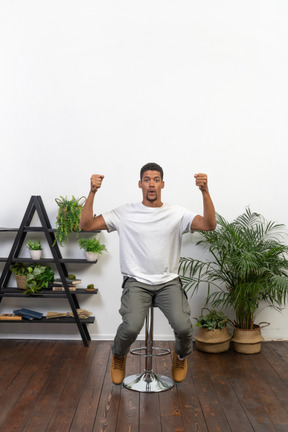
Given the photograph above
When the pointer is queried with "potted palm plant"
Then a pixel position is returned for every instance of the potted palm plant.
(92, 248)
(247, 270)
(212, 335)
(68, 218)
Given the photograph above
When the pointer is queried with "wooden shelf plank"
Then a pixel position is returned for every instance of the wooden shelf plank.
(44, 320)
(51, 260)
(40, 229)
(45, 293)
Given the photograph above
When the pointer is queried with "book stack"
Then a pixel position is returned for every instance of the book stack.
(72, 284)
(10, 317)
(28, 314)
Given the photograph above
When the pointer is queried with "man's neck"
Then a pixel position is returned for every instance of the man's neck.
(154, 204)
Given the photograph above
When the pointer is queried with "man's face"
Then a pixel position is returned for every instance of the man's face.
(151, 185)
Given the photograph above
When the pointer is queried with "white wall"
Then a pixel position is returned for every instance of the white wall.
(106, 86)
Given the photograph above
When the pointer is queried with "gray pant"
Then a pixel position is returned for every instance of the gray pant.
(135, 302)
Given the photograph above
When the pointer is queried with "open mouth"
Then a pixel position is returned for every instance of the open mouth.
(151, 195)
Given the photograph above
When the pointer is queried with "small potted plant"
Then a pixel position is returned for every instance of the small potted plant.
(35, 249)
(212, 335)
(92, 248)
(32, 278)
(68, 218)
(20, 271)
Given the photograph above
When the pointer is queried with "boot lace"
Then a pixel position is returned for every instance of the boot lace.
(179, 364)
(118, 362)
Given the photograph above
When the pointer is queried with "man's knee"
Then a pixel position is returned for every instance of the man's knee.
(132, 327)
(183, 328)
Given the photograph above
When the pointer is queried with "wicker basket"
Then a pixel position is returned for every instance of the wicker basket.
(213, 341)
(21, 282)
(247, 341)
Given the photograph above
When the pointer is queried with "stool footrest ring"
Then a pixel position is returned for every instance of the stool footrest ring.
(160, 351)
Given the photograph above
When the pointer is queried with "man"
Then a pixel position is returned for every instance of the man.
(150, 235)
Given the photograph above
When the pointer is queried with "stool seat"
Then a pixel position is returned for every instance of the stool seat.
(148, 381)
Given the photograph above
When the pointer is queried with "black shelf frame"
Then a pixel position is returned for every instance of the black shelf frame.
(49, 260)
(44, 320)
(36, 205)
(44, 293)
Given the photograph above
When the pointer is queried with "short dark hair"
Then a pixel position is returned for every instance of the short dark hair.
(151, 166)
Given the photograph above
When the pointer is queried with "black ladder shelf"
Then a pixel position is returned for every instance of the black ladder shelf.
(36, 205)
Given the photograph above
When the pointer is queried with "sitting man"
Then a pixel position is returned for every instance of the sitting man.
(150, 235)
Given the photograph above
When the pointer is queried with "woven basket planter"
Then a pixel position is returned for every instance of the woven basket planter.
(247, 341)
(21, 282)
(213, 341)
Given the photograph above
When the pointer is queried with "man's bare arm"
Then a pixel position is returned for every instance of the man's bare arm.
(88, 221)
(207, 222)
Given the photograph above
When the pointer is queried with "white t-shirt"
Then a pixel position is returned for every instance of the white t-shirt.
(149, 239)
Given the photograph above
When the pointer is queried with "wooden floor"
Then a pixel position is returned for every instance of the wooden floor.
(63, 386)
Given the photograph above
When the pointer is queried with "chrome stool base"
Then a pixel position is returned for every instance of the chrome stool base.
(148, 382)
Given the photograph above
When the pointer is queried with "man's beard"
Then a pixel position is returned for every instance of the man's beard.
(151, 199)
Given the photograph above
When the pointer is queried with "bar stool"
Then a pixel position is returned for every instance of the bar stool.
(148, 381)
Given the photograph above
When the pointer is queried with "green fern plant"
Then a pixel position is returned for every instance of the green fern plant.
(91, 245)
(247, 268)
(68, 218)
(34, 245)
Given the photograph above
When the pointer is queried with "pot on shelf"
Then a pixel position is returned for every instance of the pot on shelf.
(91, 256)
(21, 282)
(35, 254)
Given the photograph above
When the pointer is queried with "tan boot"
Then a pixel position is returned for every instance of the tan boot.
(179, 368)
(117, 370)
